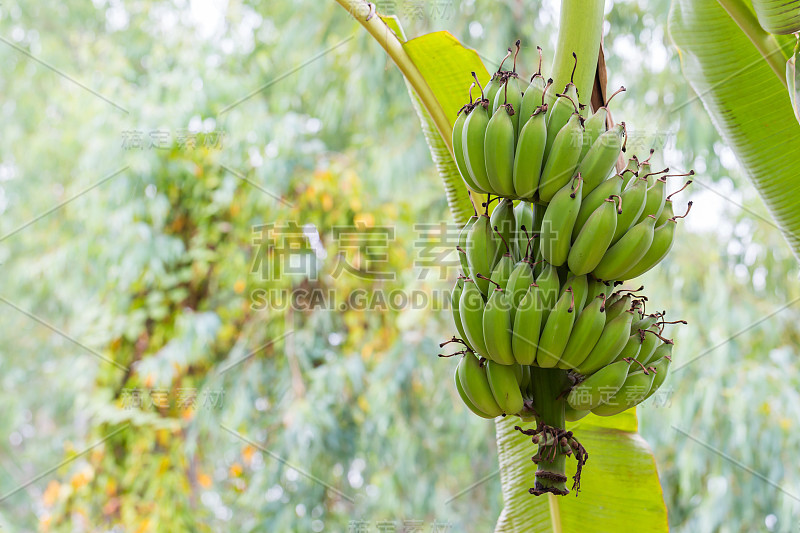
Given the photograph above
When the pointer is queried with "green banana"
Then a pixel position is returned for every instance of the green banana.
(523, 217)
(597, 288)
(590, 202)
(530, 154)
(580, 288)
(556, 332)
(504, 222)
(502, 271)
(496, 82)
(499, 145)
(628, 251)
(601, 157)
(571, 415)
(592, 242)
(505, 387)
(483, 251)
(525, 384)
(615, 306)
(632, 392)
(663, 350)
(656, 196)
(455, 298)
(663, 239)
(475, 384)
(510, 95)
(497, 328)
(458, 149)
(464, 398)
(645, 322)
(560, 164)
(598, 387)
(631, 172)
(633, 200)
(462, 245)
(662, 369)
(527, 326)
(470, 309)
(609, 345)
(585, 333)
(650, 344)
(667, 212)
(534, 94)
(472, 141)
(596, 124)
(549, 286)
(558, 221)
(559, 114)
(518, 283)
(631, 349)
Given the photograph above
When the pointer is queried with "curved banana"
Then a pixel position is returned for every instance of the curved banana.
(462, 245)
(510, 95)
(458, 149)
(505, 387)
(571, 415)
(609, 345)
(483, 251)
(527, 326)
(591, 245)
(663, 350)
(455, 299)
(628, 251)
(559, 114)
(470, 308)
(464, 398)
(502, 271)
(662, 369)
(549, 288)
(504, 222)
(584, 335)
(632, 392)
(472, 140)
(631, 349)
(534, 94)
(475, 384)
(602, 156)
(497, 328)
(523, 217)
(530, 154)
(663, 239)
(499, 149)
(560, 164)
(598, 387)
(615, 306)
(518, 283)
(580, 288)
(596, 124)
(654, 202)
(633, 200)
(556, 332)
(590, 202)
(558, 221)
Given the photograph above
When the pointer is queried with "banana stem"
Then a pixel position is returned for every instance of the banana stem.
(548, 385)
(580, 30)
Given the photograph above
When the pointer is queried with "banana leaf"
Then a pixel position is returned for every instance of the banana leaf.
(737, 71)
(619, 487)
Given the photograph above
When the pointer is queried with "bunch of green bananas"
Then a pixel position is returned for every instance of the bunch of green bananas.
(548, 333)
(510, 143)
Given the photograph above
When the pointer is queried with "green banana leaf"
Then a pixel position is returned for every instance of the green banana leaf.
(793, 81)
(730, 66)
(620, 486)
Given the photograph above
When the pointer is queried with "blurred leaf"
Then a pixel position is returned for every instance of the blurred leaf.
(755, 120)
(792, 81)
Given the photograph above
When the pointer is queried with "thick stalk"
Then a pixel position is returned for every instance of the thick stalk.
(549, 401)
(580, 30)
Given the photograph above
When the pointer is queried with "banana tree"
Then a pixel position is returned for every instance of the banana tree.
(622, 487)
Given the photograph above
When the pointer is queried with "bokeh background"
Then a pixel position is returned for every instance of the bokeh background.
(159, 158)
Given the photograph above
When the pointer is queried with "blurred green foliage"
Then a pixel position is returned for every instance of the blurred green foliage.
(153, 257)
